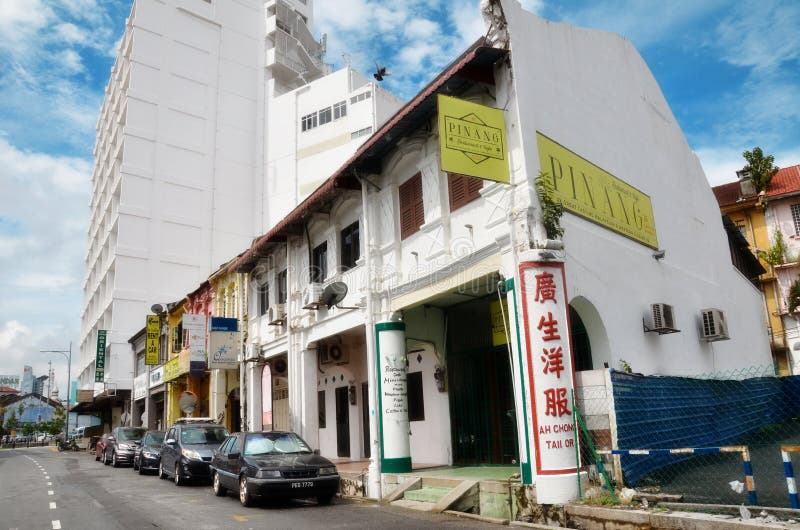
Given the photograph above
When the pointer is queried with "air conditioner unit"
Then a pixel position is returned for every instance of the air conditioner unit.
(322, 354)
(714, 325)
(276, 315)
(338, 355)
(662, 319)
(312, 296)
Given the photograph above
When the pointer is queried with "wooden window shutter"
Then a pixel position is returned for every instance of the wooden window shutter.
(463, 190)
(412, 210)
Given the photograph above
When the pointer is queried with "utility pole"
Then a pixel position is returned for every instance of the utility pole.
(68, 355)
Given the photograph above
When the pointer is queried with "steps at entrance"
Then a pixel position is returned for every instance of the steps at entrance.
(429, 494)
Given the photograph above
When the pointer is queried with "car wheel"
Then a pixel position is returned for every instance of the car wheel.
(219, 490)
(325, 499)
(179, 481)
(140, 469)
(114, 461)
(106, 460)
(161, 473)
(244, 493)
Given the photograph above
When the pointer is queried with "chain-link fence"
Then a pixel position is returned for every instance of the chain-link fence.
(714, 439)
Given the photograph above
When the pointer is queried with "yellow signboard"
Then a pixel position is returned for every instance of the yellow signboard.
(591, 192)
(472, 139)
(177, 366)
(152, 331)
(500, 329)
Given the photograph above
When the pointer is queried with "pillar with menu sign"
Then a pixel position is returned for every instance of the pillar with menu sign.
(393, 397)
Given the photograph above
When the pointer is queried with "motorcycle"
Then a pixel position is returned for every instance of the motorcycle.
(69, 445)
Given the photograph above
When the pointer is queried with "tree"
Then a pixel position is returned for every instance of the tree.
(760, 167)
(793, 300)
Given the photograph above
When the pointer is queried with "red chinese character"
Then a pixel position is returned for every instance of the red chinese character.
(545, 288)
(550, 327)
(556, 402)
(553, 361)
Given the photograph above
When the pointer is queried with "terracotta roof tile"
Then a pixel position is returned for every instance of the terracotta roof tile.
(727, 194)
(786, 180)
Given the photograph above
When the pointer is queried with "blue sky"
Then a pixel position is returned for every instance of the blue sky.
(730, 70)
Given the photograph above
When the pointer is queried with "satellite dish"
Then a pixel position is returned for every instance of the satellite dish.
(157, 309)
(188, 401)
(334, 294)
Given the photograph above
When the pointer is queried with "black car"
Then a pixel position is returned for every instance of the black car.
(187, 450)
(272, 464)
(148, 454)
(121, 445)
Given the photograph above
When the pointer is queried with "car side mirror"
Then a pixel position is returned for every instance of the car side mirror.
(316, 452)
(169, 441)
(234, 455)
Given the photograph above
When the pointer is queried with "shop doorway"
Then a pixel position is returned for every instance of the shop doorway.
(342, 422)
(233, 410)
(481, 393)
(365, 418)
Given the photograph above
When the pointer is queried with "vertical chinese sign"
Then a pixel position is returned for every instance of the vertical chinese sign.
(100, 359)
(152, 331)
(550, 367)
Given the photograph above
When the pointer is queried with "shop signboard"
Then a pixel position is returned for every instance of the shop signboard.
(100, 359)
(85, 396)
(194, 326)
(223, 348)
(152, 332)
(140, 386)
(156, 376)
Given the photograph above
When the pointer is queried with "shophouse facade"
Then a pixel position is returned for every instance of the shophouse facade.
(419, 301)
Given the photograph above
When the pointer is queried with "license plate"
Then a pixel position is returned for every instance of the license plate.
(302, 484)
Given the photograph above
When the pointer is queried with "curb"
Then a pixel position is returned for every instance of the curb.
(483, 518)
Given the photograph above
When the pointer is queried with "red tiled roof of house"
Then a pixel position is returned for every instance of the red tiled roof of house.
(727, 193)
(786, 180)
(9, 390)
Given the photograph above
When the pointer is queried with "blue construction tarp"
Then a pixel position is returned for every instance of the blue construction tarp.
(655, 412)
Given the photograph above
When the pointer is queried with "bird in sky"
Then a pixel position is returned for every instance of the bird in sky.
(380, 72)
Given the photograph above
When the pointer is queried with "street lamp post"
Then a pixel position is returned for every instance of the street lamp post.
(68, 355)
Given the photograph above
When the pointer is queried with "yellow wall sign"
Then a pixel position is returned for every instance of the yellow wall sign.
(589, 191)
(472, 139)
(499, 317)
(152, 331)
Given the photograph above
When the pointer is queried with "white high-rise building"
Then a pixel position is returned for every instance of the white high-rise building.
(184, 177)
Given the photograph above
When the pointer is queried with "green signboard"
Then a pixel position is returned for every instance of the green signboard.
(100, 360)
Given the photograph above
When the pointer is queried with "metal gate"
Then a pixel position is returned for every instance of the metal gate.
(483, 419)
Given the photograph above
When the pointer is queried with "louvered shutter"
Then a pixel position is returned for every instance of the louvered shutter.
(412, 211)
(463, 190)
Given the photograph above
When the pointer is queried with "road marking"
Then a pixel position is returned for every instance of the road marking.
(49, 483)
(47, 477)
(240, 518)
(52, 506)
(50, 492)
(56, 525)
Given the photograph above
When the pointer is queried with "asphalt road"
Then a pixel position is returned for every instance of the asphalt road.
(41, 488)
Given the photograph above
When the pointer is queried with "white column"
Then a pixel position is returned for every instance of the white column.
(219, 395)
(393, 397)
(309, 427)
(549, 378)
(254, 397)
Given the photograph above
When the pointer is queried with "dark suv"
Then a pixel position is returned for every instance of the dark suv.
(121, 445)
(188, 448)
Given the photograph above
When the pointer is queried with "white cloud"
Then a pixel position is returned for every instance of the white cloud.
(422, 28)
(11, 332)
(43, 281)
(761, 35)
(721, 163)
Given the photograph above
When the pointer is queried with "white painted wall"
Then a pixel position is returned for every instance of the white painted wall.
(430, 439)
(592, 92)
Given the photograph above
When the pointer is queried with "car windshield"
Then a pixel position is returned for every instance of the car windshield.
(155, 438)
(131, 435)
(203, 435)
(269, 443)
